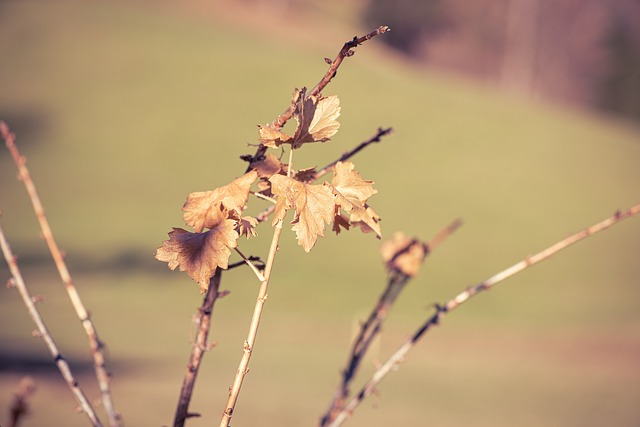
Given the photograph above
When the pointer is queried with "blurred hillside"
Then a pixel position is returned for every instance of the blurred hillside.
(583, 53)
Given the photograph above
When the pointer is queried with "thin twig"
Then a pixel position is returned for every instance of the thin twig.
(249, 343)
(398, 356)
(200, 346)
(262, 216)
(43, 332)
(346, 51)
(346, 156)
(372, 327)
(251, 265)
(97, 346)
(20, 405)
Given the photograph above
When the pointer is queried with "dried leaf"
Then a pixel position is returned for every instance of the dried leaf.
(366, 219)
(207, 209)
(267, 167)
(199, 254)
(403, 254)
(324, 124)
(313, 205)
(305, 175)
(272, 137)
(246, 226)
(352, 193)
(316, 117)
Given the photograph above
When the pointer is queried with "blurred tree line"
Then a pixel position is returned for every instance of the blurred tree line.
(583, 52)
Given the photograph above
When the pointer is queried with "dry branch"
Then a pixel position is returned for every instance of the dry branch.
(43, 332)
(398, 356)
(200, 346)
(96, 345)
(345, 52)
(372, 327)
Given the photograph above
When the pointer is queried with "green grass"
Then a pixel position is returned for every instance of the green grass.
(123, 110)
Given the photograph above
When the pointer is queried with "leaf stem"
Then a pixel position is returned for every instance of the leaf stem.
(251, 265)
(249, 343)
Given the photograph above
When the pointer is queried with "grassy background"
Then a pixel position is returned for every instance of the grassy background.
(124, 109)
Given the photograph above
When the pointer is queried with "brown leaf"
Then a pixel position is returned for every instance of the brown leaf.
(366, 219)
(267, 167)
(199, 254)
(403, 254)
(272, 137)
(207, 209)
(350, 184)
(316, 117)
(352, 193)
(305, 175)
(313, 205)
(247, 225)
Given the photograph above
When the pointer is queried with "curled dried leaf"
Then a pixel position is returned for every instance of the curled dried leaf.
(268, 167)
(316, 117)
(403, 254)
(352, 193)
(206, 209)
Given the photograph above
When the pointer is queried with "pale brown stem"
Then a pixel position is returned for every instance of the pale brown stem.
(249, 343)
(43, 332)
(399, 355)
(97, 346)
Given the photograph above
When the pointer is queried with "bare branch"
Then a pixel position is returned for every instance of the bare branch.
(43, 332)
(371, 328)
(399, 355)
(97, 346)
(346, 156)
(200, 346)
(345, 52)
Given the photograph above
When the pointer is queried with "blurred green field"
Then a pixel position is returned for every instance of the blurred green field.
(123, 109)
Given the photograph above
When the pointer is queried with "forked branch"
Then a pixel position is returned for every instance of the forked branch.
(345, 52)
(371, 328)
(441, 310)
(43, 332)
(97, 346)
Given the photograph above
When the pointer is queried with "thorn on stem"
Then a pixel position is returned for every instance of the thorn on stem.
(11, 283)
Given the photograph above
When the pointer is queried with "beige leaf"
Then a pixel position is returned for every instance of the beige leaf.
(352, 193)
(206, 209)
(313, 205)
(199, 254)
